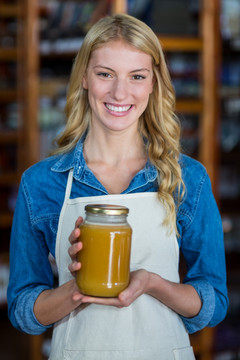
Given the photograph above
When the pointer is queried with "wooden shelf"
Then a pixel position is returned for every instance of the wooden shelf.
(189, 106)
(191, 44)
(8, 95)
(8, 137)
(59, 54)
(8, 14)
(9, 10)
(6, 220)
(8, 54)
(51, 86)
(8, 178)
(169, 44)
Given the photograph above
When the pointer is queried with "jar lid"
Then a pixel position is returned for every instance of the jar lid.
(106, 209)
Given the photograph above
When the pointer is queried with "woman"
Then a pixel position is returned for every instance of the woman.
(120, 146)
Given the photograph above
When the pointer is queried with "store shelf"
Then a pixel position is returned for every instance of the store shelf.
(8, 137)
(51, 86)
(189, 106)
(190, 44)
(10, 51)
(173, 44)
(5, 220)
(10, 54)
(8, 95)
(8, 178)
(10, 10)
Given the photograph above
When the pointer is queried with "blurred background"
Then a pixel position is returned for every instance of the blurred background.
(201, 40)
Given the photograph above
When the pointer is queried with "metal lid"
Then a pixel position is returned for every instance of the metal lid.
(106, 209)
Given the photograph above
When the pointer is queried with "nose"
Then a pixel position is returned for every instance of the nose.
(119, 90)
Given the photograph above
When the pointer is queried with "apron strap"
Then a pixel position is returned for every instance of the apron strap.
(69, 185)
(62, 213)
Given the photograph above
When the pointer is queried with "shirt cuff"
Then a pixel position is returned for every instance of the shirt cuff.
(24, 314)
(207, 295)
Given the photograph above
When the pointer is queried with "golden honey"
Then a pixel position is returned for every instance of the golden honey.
(105, 256)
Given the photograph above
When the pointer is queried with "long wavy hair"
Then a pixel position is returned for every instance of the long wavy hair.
(158, 124)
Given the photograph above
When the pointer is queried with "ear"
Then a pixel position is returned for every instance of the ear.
(84, 82)
(153, 83)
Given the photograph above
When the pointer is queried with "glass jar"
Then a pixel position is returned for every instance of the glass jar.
(105, 255)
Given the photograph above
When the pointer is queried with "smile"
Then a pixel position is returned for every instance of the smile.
(118, 109)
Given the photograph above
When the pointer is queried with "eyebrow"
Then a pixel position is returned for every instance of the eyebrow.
(110, 69)
(142, 69)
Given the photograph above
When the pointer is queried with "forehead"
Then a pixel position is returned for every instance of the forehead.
(120, 52)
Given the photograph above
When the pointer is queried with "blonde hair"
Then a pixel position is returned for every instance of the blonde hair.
(158, 124)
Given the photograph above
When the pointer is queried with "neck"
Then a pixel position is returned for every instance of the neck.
(113, 148)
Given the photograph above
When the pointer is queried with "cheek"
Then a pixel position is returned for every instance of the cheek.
(97, 90)
(142, 94)
(93, 94)
(143, 91)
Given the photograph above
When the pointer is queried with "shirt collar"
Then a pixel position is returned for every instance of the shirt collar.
(67, 161)
(75, 160)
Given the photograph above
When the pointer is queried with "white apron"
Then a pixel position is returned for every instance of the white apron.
(147, 329)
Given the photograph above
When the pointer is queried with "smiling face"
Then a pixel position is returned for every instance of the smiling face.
(119, 80)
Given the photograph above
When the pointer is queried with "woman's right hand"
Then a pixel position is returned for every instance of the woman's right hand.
(75, 247)
(53, 304)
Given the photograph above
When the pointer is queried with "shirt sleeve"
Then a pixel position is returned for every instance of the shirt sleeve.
(27, 279)
(202, 245)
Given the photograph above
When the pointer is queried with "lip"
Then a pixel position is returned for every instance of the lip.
(118, 109)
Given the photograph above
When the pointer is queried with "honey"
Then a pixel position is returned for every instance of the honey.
(105, 256)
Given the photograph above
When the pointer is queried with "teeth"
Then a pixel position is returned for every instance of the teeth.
(118, 108)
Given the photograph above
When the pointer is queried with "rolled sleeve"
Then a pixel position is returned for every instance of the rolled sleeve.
(207, 295)
(27, 278)
(23, 316)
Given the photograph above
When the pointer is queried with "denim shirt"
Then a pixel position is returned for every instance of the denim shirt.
(35, 225)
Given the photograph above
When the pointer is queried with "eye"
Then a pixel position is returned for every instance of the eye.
(104, 74)
(138, 77)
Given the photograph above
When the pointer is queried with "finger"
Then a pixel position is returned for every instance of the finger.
(78, 222)
(77, 296)
(74, 249)
(74, 235)
(102, 301)
(76, 231)
(74, 267)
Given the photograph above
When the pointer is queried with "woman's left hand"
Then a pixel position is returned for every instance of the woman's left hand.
(137, 286)
(181, 298)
